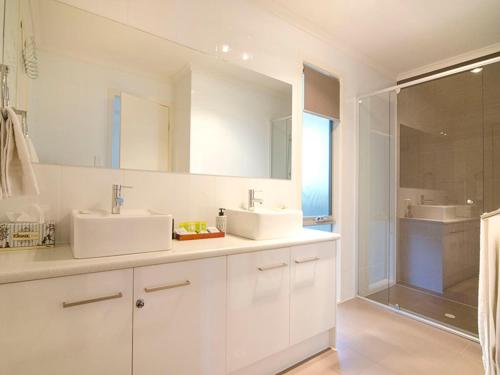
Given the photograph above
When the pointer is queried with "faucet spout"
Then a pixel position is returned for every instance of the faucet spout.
(252, 199)
(117, 198)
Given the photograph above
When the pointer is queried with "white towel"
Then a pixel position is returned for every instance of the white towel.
(489, 294)
(31, 149)
(17, 175)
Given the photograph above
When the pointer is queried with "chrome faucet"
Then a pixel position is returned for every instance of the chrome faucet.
(117, 198)
(425, 201)
(252, 200)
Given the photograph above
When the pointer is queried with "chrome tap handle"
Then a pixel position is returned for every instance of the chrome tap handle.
(252, 199)
(117, 199)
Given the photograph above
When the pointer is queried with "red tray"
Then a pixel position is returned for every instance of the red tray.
(199, 236)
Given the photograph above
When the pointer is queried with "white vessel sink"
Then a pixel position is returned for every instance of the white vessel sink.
(264, 224)
(100, 233)
(441, 213)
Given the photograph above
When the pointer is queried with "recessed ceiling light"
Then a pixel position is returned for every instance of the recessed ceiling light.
(477, 70)
(225, 48)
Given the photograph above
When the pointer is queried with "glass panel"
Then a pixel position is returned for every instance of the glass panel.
(491, 97)
(375, 176)
(316, 165)
(447, 148)
(440, 198)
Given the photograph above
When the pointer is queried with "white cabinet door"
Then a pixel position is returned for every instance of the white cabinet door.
(76, 325)
(180, 330)
(258, 306)
(312, 300)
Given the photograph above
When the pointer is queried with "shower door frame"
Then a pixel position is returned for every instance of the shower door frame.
(394, 177)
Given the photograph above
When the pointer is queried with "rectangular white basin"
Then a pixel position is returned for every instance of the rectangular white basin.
(264, 224)
(100, 233)
(441, 213)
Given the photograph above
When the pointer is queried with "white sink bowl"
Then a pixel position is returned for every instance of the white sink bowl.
(441, 213)
(99, 233)
(264, 224)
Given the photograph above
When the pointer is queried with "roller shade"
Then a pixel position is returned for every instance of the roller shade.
(321, 94)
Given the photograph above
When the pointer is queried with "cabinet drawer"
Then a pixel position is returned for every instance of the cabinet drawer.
(181, 327)
(68, 325)
(312, 297)
(258, 306)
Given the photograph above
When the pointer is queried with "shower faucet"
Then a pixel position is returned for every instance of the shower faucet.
(424, 201)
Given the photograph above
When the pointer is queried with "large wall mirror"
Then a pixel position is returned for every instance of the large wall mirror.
(100, 93)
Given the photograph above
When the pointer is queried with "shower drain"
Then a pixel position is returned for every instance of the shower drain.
(451, 316)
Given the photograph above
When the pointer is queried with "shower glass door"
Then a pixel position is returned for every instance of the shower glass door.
(429, 166)
(376, 196)
(440, 199)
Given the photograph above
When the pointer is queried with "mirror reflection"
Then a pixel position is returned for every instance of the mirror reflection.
(102, 94)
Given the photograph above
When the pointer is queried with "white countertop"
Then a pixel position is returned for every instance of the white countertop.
(24, 265)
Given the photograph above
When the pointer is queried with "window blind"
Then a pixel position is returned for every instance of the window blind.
(321, 94)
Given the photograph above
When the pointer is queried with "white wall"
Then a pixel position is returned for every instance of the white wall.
(70, 107)
(231, 124)
(278, 50)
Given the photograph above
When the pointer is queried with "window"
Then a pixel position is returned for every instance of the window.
(321, 106)
(317, 171)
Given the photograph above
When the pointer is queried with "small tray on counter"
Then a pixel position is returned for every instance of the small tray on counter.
(198, 236)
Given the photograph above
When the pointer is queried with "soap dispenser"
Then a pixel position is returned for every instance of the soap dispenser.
(221, 220)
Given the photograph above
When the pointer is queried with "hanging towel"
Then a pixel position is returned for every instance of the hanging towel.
(31, 149)
(17, 175)
(489, 294)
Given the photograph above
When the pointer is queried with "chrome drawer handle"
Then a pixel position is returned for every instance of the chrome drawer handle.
(306, 260)
(272, 267)
(167, 286)
(92, 300)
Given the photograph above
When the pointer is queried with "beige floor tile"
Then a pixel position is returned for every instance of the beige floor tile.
(468, 361)
(322, 364)
(372, 340)
(408, 364)
(348, 361)
(377, 370)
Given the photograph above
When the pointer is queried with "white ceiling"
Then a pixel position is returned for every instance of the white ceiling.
(398, 36)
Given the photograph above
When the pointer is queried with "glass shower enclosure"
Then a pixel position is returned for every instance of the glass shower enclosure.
(429, 166)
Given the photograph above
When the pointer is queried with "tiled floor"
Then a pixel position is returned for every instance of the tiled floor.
(465, 292)
(430, 305)
(372, 340)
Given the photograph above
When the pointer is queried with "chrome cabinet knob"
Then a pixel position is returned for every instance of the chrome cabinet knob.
(139, 303)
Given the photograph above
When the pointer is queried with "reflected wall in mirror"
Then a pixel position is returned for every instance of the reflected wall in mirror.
(109, 95)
